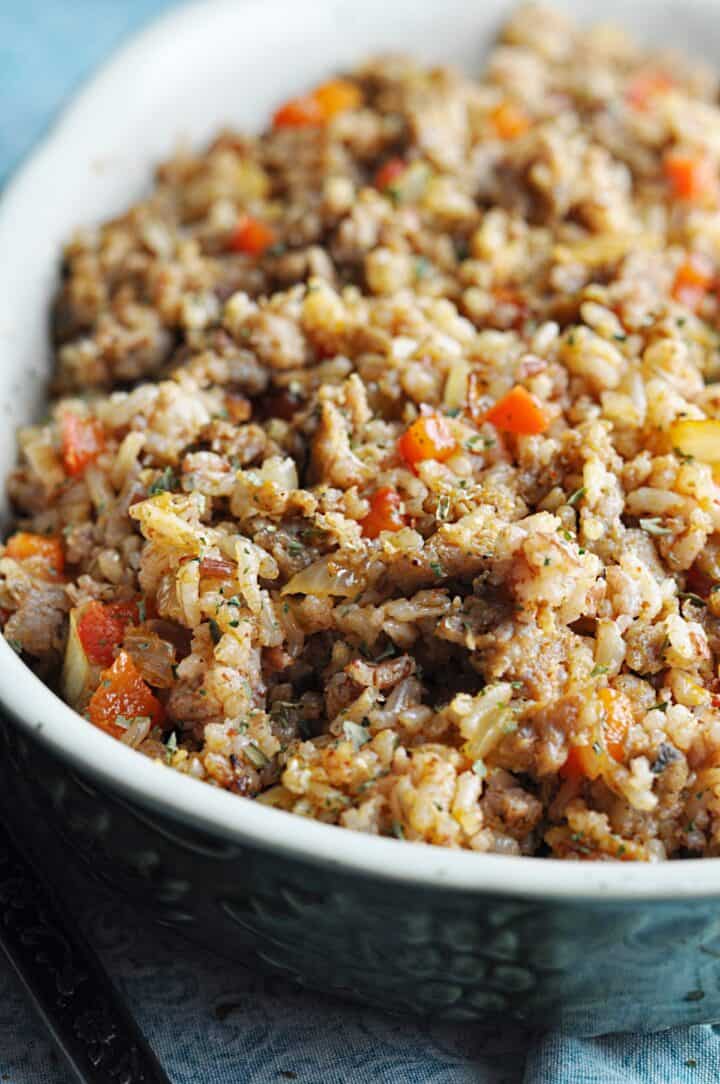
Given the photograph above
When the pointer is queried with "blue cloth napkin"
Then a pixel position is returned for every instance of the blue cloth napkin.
(211, 1022)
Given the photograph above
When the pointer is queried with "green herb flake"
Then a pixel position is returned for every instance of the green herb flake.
(480, 768)
(443, 507)
(397, 830)
(437, 568)
(692, 598)
(164, 484)
(597, 670)
(215, 631)
(577, 496)
(423, 267)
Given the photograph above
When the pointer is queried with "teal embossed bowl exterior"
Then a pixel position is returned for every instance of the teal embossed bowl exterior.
(593, 947)
(586, 964)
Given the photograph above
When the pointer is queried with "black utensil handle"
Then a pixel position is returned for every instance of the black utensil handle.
(65, 980)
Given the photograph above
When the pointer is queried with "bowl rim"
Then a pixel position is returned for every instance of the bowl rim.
(36, 709)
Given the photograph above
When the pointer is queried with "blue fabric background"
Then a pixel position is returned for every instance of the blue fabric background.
(210, 1022)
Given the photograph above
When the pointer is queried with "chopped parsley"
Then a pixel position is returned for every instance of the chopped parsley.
(164, 484)
(576, 496)
(691, 597)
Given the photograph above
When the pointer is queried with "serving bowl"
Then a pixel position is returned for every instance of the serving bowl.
(590, 948)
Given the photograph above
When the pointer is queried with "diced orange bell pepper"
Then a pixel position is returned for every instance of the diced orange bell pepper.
(337, 96)
(251, 236)
(509, 120)
(390, 172)
(518, 412)
(82, 440)
(693, 280)
(645, 86)
(101, 629)
(49, 548)
(301, 112)
(123, 695)
(618, 719)
(690, 176)
(590, 761)
(430, 437)
(385, 513)
(583, 762)
(320, 106)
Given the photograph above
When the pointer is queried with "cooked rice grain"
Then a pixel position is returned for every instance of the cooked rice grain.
(506, 641)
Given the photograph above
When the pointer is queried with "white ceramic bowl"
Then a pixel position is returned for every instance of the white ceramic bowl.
(196, 69)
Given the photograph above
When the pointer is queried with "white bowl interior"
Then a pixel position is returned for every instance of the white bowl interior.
(209, 65)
